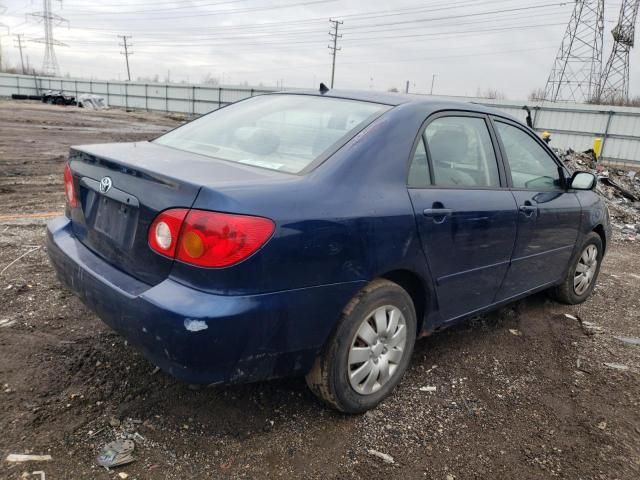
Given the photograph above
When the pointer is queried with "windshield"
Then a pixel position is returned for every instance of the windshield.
(279, 132)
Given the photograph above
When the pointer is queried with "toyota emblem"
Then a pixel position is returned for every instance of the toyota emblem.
(105, 184)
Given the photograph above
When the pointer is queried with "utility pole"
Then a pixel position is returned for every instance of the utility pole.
(334, 49)
(433, 82)
(18, 43)
(49, 19)
(406, 88)
(126, 52)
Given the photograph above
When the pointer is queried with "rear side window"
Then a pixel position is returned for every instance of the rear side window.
(461, 153)
(531, 166)
(278, 132)
(419, 168)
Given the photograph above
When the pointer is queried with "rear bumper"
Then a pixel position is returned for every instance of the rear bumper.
(196, 336)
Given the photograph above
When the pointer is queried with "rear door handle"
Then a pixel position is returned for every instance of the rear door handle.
(439, 215)
(437, 212)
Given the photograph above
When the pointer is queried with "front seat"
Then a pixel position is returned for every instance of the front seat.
(446, 148)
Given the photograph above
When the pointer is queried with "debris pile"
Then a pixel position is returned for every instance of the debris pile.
(92, 102)
(620, 188)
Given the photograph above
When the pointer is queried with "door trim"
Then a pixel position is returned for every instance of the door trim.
(446, 278)
(546, 252)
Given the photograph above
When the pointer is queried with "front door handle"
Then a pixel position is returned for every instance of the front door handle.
(439, 215)
(528, 210)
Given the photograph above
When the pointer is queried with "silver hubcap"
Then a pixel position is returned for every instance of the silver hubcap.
(377, 349)
(585, 270)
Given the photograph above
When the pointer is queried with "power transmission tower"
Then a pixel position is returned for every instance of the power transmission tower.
(49, 19)
(18, 43)
(614, 85)
(575, 75)
(126, 52)
(334, 48)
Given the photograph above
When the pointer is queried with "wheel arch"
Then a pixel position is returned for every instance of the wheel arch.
(415, 286)
(599, 229)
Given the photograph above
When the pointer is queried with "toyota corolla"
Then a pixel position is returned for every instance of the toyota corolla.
(320, 234)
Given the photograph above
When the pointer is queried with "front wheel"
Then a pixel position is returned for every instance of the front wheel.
(583, 272)
(369, 351)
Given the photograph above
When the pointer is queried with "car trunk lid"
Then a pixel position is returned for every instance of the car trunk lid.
(122, 187)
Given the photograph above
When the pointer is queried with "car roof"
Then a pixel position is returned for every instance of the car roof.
(396, 99)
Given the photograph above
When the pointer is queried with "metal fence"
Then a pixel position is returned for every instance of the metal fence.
(576, 125)
(571, 125)
(152, 97)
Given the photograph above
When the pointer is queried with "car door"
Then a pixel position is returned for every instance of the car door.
(548, 217)
(466, 217)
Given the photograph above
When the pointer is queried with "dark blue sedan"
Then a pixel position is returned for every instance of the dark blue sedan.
(320, 235)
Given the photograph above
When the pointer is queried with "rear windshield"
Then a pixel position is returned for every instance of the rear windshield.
(278, 132)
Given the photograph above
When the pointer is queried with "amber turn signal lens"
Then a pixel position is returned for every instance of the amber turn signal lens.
(192, 244)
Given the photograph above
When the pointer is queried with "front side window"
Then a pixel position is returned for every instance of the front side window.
(461, 153)
(532, 168)
(278, 132)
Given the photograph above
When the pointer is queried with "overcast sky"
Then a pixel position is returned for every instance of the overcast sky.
(470, 45)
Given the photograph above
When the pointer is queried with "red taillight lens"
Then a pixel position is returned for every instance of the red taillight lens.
(208, 239)
(69, 188)
(212, 239)
(165, 230)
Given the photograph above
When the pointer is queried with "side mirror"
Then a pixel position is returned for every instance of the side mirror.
(583, 181)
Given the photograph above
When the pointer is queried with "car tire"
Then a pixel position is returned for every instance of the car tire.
(586, 261)
(335, 376)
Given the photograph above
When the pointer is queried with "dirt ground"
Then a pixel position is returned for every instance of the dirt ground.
(523, 393)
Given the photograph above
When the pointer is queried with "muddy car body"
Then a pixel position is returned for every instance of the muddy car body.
(406, 216)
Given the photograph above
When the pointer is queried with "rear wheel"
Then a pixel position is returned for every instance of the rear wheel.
(370, 350)
(583, 272)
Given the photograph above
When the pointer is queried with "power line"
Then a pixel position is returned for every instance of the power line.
(167, 6)
(465, 15)
(304, 32)
(334, 49)
(355, 40)
(286, 35)
(126, 52)
(318, 20)
(206, 12)
(155, 9)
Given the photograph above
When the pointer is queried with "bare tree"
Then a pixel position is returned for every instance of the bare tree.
(491, 93)
(210, 80)
(619, 101)
(536, 95)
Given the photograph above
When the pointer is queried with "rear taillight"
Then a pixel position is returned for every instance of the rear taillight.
(69, 187)
(165, 230)
(208, 239)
